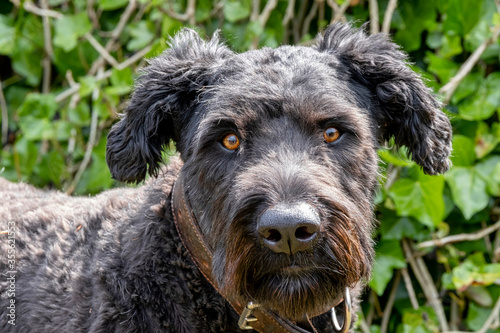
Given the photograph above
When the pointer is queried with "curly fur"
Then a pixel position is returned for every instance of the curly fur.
(114, 263)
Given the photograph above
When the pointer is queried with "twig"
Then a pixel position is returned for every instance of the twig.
(424, 278)
(297, 21)
(309, 18)
(92, 14)
(391, 6)
(460, 237)
(102, 51)
(74, 89)
(262, 18)
(409, 289)
(90, 147)
(115, 34)
(189, 16)
(491, 318)
(5, 117)
(374, 25)
(289, 13)
(390, 303)
(30, 7)
(47, 67)
(338, 11)
(449, 88)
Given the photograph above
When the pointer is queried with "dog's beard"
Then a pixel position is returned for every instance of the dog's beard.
(307, 283)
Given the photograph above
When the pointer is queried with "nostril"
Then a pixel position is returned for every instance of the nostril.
(273, 235)
(304, 233)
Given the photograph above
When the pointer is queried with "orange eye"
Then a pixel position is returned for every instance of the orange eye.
(331, 134)
(231, 141)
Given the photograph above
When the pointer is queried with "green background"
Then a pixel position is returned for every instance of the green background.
(59, 98)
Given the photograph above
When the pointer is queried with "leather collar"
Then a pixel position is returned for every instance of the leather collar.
(251, 315)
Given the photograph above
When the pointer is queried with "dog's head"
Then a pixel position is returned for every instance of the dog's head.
(279, 150)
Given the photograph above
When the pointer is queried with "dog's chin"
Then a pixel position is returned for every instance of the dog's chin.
(294, 293)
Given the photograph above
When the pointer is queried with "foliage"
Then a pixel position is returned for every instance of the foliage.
(67, 67)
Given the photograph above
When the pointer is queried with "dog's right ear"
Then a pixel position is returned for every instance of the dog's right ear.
(165, 94)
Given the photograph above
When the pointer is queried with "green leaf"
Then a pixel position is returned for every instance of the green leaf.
(36, 129)
(69, 28)
(26, 153)
(421, 198)
(462, 16)
(463, 151)
(236, 10)
(451, 46)
(443, 68)
(489, 171)
(122, 82)
(486, 140)
(468, 190)
(416, 17)
(112, 4)
(484, 102)
(389, 256)
(7, 35)
(80, 115)
(467, 87)
(38, 106)
(475, 271)
(423, 320)
(395, 228)
(476, 317)
(387, 156)
(142, 34)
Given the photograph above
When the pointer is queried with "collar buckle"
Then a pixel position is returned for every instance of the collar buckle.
(247, 316)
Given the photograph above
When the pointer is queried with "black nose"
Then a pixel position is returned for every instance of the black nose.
(289, 228)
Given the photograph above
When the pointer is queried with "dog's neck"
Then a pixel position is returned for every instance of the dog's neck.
(251, 315)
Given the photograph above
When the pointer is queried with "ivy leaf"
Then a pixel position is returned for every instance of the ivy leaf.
(236, 10)
(7, 35)
(489, 170)
(484, 102)
(463, 151)
(423, 320)
(389, 256)
(69, 28)
(141, 33)
(112, 4)
(421, 198)
(462, 16)
(38, 106)
(468, 190)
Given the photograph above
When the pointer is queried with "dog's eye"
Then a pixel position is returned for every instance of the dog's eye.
(231, 141)
(331, 134)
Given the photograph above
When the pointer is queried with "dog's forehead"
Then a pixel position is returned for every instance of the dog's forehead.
(300, 82)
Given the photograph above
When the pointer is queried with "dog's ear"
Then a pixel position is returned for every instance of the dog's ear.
(408, 109)
(161, 104)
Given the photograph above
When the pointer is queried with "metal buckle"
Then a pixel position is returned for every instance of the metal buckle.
(245, 316)
(347, 310)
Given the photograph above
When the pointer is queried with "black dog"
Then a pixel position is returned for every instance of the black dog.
(273, 195)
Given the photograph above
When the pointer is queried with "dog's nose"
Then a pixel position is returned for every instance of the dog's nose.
(289, 228)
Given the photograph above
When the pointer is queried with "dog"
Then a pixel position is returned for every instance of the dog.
(266, 217)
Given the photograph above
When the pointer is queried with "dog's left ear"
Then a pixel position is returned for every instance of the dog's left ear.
(163, 101)
(408, 109)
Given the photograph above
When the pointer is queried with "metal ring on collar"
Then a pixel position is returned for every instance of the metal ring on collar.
(347, 313)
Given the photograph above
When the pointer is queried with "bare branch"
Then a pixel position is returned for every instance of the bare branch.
(5, 117)
(32, 8)
(189, 16)
(461, 237)
(115, 34)
(374, 25)
(102, 51)
(449, 89)
(47, 42)
(262, 18)
(391, 6)
(309, 18)
(390, 303)
(409, 289)
(339, 15)
(289, 12)
(74, 89)
(424, 278)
